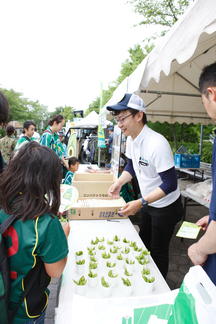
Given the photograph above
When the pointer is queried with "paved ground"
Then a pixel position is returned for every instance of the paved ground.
(179, 262)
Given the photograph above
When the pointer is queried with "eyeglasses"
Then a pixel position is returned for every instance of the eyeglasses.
(122, 119)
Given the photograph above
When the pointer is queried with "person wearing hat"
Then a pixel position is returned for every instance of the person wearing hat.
(150, 159)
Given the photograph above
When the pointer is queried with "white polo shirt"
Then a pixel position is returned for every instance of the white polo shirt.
(151, 153)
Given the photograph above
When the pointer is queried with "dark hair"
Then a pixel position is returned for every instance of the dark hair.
(207, 78)
(10, 130)
(58, 119)
(30, 185)
(132, 112)
(28, 123)
(72, 161)
(4, 109)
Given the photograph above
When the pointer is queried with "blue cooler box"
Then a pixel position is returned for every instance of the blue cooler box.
(187, 160)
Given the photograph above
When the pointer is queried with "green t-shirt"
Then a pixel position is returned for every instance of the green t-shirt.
(43, 237)
(52, 141)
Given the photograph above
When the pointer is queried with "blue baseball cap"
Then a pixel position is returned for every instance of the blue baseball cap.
(130, 100)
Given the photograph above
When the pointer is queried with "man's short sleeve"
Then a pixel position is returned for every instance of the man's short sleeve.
(128, 147)
(53, 246)
(162, 156)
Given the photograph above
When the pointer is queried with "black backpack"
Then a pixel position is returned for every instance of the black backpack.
(35, 282)
(5, 317)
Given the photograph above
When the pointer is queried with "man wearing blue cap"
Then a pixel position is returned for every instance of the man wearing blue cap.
(150, 159)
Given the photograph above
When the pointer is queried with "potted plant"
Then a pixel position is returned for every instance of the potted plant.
(105, 287)
(95, 242)
(93, 259)
(125, 241)
(114, 249)
(130, 264)
(80, 265)
(92, 279)
(93, 265)
(120, 261)
(80, 285)
(142, 260)
(91, 251)
(126, 287)
(110, 264)
(128, 274)
(114, 277)
(126, 250)
(109, 242)
(79, 255)
(149, 283)
(116, 238)
(101, 247)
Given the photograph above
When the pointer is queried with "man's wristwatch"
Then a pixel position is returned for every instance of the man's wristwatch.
(144, 202)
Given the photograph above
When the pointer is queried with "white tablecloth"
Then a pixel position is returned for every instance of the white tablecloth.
(73, 308)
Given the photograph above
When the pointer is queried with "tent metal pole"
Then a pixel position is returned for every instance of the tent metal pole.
(187, 81)
(201, 139)
(171, 93)
(99, 157)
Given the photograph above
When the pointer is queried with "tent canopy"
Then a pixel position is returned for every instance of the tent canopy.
(90, 121)
(167, 79)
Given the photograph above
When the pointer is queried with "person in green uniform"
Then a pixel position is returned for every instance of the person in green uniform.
(73, 165)
(50, 137)
(28, 131)
(37, 242)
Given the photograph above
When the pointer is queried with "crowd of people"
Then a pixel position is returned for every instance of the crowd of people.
(30, 189)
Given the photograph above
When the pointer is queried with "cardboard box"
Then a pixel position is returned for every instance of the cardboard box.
(93, 185)
(95, 211)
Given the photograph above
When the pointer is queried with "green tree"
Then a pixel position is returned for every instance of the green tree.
(136, 55)
(66, 112)
(160, 12)
(22, 109)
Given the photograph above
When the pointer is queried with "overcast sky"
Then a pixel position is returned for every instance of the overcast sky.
(59, 51)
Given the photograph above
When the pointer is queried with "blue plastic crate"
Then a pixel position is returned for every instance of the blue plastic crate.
(187, 160)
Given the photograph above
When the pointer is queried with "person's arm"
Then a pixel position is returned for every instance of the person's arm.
(169, 184)
(115, 188)
(129, 168)
(54, 270)
(198, 252)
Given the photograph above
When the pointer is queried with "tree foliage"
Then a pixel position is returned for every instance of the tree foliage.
(22, 109)
(160, 12)
(136, 55)
(66, 112)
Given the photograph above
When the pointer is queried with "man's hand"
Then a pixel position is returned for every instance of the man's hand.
(131, 208)
(195, 255)
(203, 222)
(114, 190)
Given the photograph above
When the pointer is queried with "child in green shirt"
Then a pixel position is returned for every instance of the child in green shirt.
(37, 243)
(73, 165)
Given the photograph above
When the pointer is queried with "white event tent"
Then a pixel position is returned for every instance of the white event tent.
(90, 121)
(167, 79)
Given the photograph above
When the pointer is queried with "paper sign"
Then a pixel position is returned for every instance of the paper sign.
(188, 230)
(69, 196)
